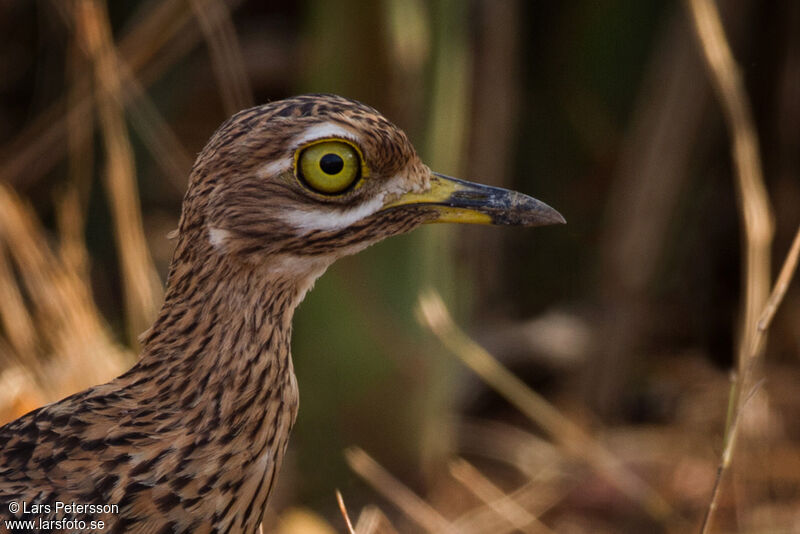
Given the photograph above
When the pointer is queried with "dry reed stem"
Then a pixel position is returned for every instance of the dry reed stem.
(781, 284)
(39, 147)
(529, 454)
(419, 511)
(17, 323)
(226, 55)
(533, 496)
(540, 461)
(156, 134)
(158, 137)
(160, 39)
(80, 145)
(725, 459)
(142, 286)
(433, 314)
(738, 406)
(159, 21)
(495, 498)
(72, 202)
(70, 219)
(343, 510)
(756, 219)
(754, 207)
(69, 329)
(48, 284)
(373, 521)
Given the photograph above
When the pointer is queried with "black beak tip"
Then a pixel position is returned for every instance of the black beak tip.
(557, 218)
(539, 214)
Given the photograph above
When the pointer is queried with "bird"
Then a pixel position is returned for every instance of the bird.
(191, 438)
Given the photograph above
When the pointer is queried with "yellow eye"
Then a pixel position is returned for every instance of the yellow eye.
(329, 167)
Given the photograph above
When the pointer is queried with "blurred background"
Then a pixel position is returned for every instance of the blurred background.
(628, 322)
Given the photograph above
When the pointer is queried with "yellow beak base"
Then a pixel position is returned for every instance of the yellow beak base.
(459, 201)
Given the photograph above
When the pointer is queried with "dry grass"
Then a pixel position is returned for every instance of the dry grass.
(412, 505)
(142, 287)
(574, 439)
(570, 478)
(55, 341)
(226, 55)
(757, 221)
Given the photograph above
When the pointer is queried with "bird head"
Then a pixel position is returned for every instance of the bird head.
(300, 182)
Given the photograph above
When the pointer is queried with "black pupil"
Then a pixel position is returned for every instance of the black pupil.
(331, 164)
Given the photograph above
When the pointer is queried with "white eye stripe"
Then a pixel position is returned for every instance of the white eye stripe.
(308, 221)
(313, 133)
(323, 131)
(273, 168)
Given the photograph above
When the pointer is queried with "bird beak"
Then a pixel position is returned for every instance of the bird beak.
(459, 201)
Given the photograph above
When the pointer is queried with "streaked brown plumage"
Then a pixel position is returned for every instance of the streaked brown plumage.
(192, 437)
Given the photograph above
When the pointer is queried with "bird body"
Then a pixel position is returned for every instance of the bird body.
(191, 438)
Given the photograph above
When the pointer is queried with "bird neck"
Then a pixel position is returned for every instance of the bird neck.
(223, 334)
(216, 367)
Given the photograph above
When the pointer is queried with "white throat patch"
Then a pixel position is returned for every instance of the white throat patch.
(217, 237)
(304, 269)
